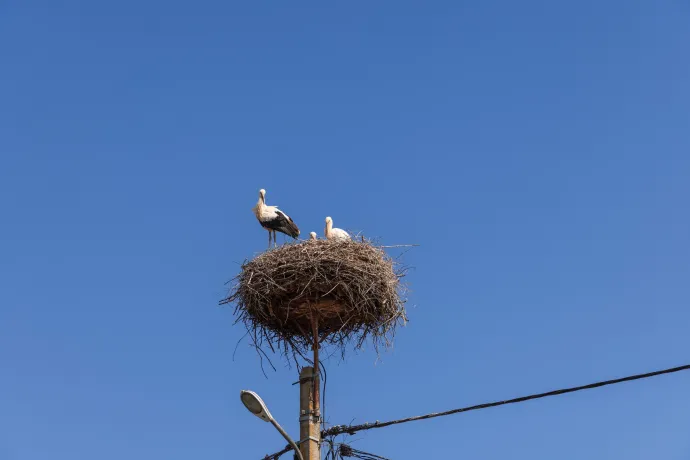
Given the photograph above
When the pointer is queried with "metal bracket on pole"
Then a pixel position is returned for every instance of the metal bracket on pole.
(310, 438)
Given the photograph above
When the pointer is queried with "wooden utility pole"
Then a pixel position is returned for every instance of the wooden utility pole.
(309, 414)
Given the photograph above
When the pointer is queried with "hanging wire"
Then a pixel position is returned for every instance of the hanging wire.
(329, 434)
(322, 369)
(351, 429)
(347, 451)
(340, 451)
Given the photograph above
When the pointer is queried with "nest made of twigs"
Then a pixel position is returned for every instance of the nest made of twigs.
(334, 292)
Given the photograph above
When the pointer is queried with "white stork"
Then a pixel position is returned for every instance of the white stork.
(336, 234)
(273, 219)
(312, 236)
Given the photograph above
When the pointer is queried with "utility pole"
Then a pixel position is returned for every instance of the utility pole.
(310, 414)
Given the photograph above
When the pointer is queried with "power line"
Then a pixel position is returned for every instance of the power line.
(351, 429)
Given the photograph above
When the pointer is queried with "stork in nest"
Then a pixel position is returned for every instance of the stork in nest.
(337, 234)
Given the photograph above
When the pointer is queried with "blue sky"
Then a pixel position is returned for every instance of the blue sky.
(537, 151)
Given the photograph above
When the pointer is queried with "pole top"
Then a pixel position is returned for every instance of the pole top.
(307, 372)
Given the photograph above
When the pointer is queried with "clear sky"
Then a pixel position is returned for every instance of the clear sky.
(538, 152)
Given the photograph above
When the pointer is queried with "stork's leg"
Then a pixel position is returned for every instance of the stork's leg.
(269, 238)
(275, 239)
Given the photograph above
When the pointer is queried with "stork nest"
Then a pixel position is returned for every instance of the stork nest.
(335, 293)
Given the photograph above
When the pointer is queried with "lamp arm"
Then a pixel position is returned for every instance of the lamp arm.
(288, 438)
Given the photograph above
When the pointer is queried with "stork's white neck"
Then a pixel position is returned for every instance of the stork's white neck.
(260, 206)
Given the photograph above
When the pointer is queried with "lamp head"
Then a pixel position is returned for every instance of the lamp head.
(255, 405)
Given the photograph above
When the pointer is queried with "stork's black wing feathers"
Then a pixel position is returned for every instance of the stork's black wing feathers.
(281, 223)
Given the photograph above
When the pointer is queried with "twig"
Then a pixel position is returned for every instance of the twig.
(400, 246)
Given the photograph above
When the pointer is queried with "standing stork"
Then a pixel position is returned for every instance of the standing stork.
(336, 234)
(273, 219)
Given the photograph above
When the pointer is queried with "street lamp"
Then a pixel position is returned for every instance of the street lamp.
(256, 406)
